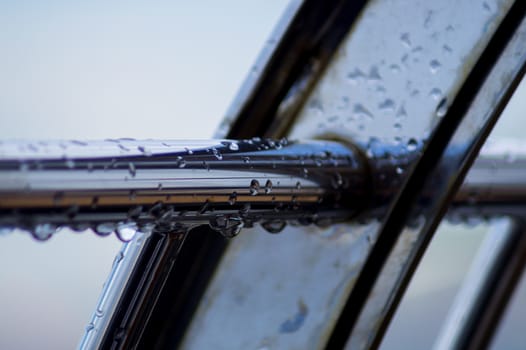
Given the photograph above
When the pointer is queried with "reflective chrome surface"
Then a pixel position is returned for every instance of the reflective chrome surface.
(487, 289)
(228, 184)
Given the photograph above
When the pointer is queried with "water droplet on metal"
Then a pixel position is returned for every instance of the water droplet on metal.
(435, 93)
(180, 162)
(374, 75)
(442, 108)
(233, 146)
(228, 226)
(131, 169)
(90, 327)
(356, 76)
(274, 226)
(217, 154)
(268, 186)
(6, 230)
(298, 185)
(405, 39)
(105, 229)
(412, 145)
(43, 232)
(361, 112)
(232, 199)
(254, 187)
(246, 160)
(144, 151)
(387, 105)
(395, 68)
(434, 66)
(126, 231)
(70, 163)
(399, 170)
(337, 181)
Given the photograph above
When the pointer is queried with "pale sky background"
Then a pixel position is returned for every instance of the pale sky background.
(108, 69)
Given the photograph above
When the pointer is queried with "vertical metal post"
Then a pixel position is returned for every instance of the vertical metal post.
(487, 289)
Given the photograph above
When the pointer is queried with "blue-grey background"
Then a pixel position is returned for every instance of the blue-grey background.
(156, 69)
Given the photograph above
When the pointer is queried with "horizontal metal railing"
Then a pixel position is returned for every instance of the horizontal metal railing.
(123, 185)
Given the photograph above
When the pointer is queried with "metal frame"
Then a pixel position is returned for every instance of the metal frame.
(169, 190)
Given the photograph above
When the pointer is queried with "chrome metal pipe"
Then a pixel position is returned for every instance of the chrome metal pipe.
(122, 185)
(487, 289)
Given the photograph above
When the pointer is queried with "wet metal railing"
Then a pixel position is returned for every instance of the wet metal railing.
(124, 185)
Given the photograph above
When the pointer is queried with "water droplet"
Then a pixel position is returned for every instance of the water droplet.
(394, 68)
(228, 226)
(387, 105)
(298, 185)
(434, 66)
(217, 154)
(399, 170)
(78, 143)
(145, 151)
(442, 108)
(447, 48)
(316, 106)
(268, 187)
(405, 39)
(254, 187)
(412, 145)
(274, 226)
(374, 75)
(131, 169)
(401, 113)
(246, 160)
(123, 148)
(180, 162)
(233, 146)
(360, 111)
(43, 232)
(126, 231)
(344, 103)
(232, 199)
(90, 327)
(105, 229)
(427, 20)
(356, 76)
(70, 163)
(5, 230)
(337, 181)
(435, 93)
